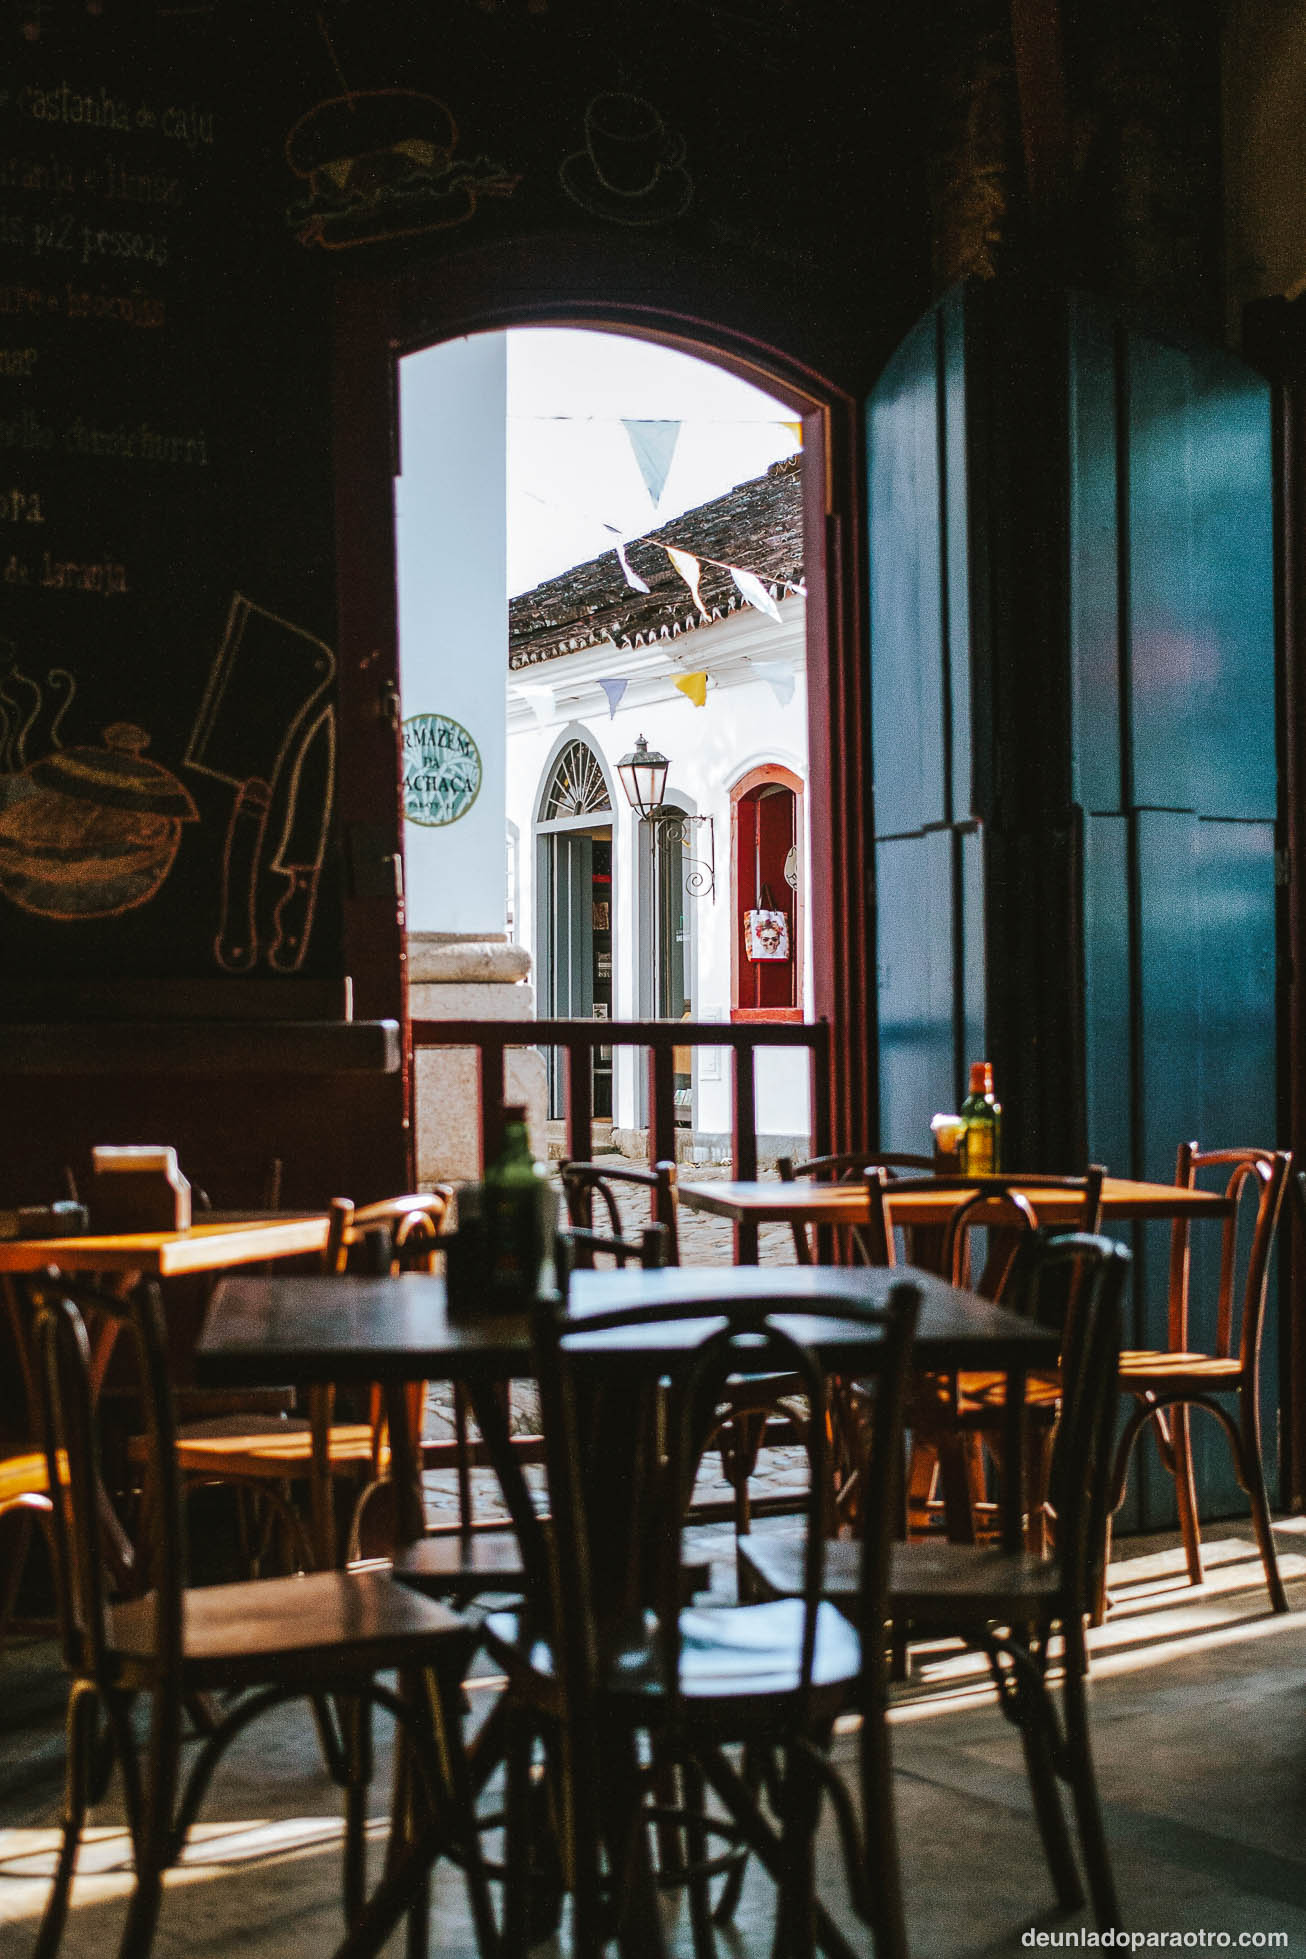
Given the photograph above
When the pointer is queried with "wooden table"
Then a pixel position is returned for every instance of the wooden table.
(807, 1202)
(395, 1330)
(209, 1246)
(128, 1257)
(356, 1328)
(125, 1259)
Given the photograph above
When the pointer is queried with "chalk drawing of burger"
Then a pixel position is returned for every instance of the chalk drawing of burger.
(380, 163)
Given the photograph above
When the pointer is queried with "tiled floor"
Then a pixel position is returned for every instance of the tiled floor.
(1199, 1710)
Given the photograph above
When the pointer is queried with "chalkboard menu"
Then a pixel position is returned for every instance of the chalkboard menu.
(167, 731)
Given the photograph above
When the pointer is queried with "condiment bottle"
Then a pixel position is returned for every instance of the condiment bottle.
(981, 1144)
(519, 1213)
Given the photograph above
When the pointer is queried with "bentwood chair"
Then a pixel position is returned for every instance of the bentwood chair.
(753, 1405)
(24, 1498)
(1219, 1373)
(24, 1482)
(953, 1418)
(1009, 1605)
(269, 1457)
(461, 1566)
(849, 1167)
(598, 1671)
(325, 1637)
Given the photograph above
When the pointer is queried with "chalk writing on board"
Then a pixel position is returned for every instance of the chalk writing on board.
(85, 832)
(442, 770)
(381, 163)
(124, 442)
(261, 710)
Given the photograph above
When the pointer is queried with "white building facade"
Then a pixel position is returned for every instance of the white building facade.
(633, 919)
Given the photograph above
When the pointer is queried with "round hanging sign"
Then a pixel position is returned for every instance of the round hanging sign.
(442, 769)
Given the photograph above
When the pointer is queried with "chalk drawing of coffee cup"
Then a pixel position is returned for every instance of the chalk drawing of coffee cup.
(631, 169)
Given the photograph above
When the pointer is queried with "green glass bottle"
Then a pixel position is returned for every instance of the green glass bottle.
(519, 1210)
(981, 1144)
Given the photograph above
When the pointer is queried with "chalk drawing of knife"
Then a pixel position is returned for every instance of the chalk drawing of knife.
(265, 682)
(298, 857)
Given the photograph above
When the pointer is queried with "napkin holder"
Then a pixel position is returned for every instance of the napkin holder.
(138, 1188)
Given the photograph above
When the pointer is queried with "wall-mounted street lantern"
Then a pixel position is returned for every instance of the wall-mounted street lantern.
(643, 775)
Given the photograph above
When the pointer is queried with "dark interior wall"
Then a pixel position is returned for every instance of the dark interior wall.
(184, 191)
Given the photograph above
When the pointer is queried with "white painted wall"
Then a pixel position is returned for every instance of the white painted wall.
(452, 540)
(741, 726)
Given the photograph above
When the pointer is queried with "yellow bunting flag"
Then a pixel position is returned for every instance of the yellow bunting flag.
(693, 686)
(796, 430)
(690, 570)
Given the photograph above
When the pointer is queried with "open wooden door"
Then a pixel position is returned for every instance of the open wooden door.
(1073, 710)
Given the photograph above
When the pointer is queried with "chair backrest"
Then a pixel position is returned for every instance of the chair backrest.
(850, 1165)
(1090, 1270)
(578, 1248)
(391, 1234)
(584, 1184)
(1006, 1207)
(749, 1340)
(1256, 1179)
(84, 1524)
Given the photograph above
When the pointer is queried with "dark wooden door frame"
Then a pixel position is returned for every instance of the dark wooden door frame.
(604, 286)
(1275, 342)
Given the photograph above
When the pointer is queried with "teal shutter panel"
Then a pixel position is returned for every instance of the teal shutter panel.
(1098, 916)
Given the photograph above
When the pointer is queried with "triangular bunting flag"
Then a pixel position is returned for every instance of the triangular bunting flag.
(796, 430)
(750, 586)
(693, 686)
(653, 445)
(633, 579)
(690, 570)
(614, 689)
(779, 677)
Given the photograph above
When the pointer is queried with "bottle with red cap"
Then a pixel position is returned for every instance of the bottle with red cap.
(981, 1112)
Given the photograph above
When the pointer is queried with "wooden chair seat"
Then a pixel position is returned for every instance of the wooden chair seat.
(264, 1446)
(1147, 1368)
(235, 1633)
(458, 1565)
(929, 1579)
(22, 1476)
(982, 1396)
(734, 1659)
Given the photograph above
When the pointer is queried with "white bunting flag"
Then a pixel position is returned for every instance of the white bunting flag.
(633, 579)
(750, 586)
(653, 445)
(690, 570)
(615, 691)
(779, 677)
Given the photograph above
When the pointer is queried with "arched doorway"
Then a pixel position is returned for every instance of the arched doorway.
(605, 285)
(767, 849)
(574, 904)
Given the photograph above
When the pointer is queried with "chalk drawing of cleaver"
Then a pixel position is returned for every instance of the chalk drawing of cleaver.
(298, 857)
(265, 683)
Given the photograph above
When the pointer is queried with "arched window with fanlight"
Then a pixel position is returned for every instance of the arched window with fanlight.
(766, 857)
(574, 917)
